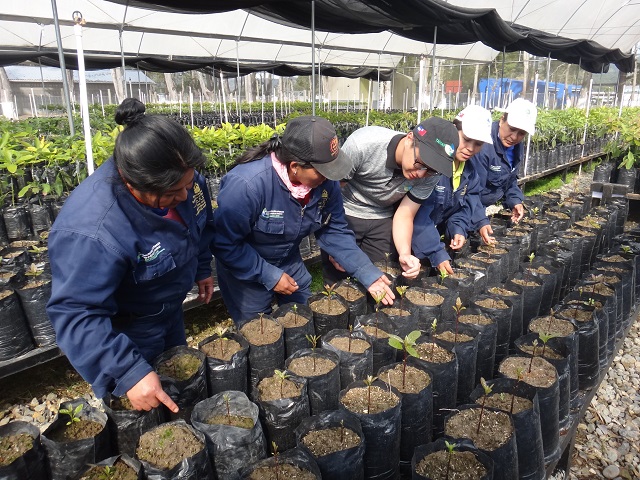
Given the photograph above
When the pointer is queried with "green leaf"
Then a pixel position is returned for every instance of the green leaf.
(413, 336)
(23, 191)
(11, 168)
(396, 342)
(412, 351)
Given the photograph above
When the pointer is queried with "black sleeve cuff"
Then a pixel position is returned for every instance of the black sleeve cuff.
(413, 198)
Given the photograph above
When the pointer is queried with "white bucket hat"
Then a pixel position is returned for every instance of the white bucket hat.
(522, 114)
(476, 123)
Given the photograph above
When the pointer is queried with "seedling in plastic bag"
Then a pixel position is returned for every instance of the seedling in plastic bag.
(450, 448)
(74, 414)
(282, 375)
(535, 346)
(401, 291)
(368, 382)
(458, 308)
(107, 473)
(407, 346)
(313, 340)
(487, 390)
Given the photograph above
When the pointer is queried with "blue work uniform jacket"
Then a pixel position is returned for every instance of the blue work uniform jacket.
(498, 179)
(454, 212)
(259, 226)
(118, 265)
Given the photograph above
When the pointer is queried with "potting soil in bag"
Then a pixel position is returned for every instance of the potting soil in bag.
(378, 326)
(498, 254)
(604, 313)
(266, 347)
(381, 422)
(550, 272)
(404, 320)
(481, 462)
(442, 364)
(226, 370)
(182, 374)
(417, 406)
(496, 436)
(514, 296)
(40, 219)
(609, 286)
(355, 351)
(33, 298)
(124, 464)
(500, 310)
(126, 424)
(479, 278)
(425, 302)
(625, 274)
(281, 415)
(554, 249)
(463, 340)
(344, 464)
(174, 451)
(329, 312)
(486, 326)
(450, 295)
(462, 282)
(512, 246)
(15, 338)
(546, 383)
(230, 424)
(323, 379)
(68, 457)
(531, 296)
(16, 222)
(355, 296)
(297, 322)
(526, 420)
(294, 463)
(30, 464)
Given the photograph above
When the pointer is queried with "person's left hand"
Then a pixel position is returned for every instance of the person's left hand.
(382, 286)
(485, 233)
(517, 213)
(336, 265)
(205, 289)
(410, 265)
(457, 242)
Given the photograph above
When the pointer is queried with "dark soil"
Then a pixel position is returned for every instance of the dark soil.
(328, 306)
(502, 401)
(396, 312)
(495, 427)
(557, 326)
(292, 319)
(548, 352)
(577, 314)
(502, 291)
(119, 471)
(375, 332)
(181, 366)
(166, 446)
(233, 420)
(369, 400)
(524, 283)
(493, 303)
(261, 332)
(476, 319)
(614, 258)
(274, 388)
(430, 352)
(330, 440)
(281, 472)
(308, 367)
(349, 293)
(540, 270)
(601, 289)
(491, 250)
(427, 299)
(76, 431)
(415, 380)
(121, 403)
(463, 466)
(13, 447)
(542, 373)
(449, 336)
(221, 348)
(356, 345)
(35, 284)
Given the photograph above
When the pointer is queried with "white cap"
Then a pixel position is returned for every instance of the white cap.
(476, 123)
(522, 114)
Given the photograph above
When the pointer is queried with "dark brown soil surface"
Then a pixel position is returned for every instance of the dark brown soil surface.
(330, 440)
(476, 319)
(599, 288)
(281, 472)
(585, 302)
(548, 353)
(35, 284)
(422, 298)
(542, 373)
(557, 326)
(263, 332)
(494, 303)
(349, 293)
(491, 250)
(166, 446)
(430, 352)
(233, 420)
(614, 258)
(495, 427)
(119, 471)
(524, 283)
(76, 431)
(463, 466)
(221, 348)
(274, 388)
(121, 403)
(577, 314)
(502, 291)
(305, 366)
(328, 306)
(450, 336)
(292, 319)
(396, 312)
(13, 447)
(5, 293)
(375, 332)
(540, 270)
(369, 400)
(502, 401)
(356, 345)
(415, 380)
(181, 366)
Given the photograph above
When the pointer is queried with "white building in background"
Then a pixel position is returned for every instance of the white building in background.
(43, 85)
(398, 93)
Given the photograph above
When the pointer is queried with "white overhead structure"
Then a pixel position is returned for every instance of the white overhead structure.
(611, 23)
(230, 35)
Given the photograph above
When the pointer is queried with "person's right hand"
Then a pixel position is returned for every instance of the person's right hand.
(286, 285)
(148, 394)
(446, 266)
(336, 265)
(410, 265)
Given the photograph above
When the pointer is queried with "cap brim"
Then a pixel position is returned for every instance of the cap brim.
(514, 120)
(337, 169)
(435, 160)
(482, 136)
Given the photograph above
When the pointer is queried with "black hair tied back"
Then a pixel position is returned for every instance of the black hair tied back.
(129, 111)
(274, 142)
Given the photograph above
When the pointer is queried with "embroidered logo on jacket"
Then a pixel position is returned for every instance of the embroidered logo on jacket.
(495, 168)
(151, 255)
(199, 203)
(267, 214)
(439, 188)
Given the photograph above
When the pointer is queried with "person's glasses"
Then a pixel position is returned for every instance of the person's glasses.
(421, 166)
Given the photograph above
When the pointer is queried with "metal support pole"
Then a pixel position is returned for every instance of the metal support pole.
(63, 68)
(433, 68)
(313, 57)
(421, 88)
(84, 104)
(535, 96)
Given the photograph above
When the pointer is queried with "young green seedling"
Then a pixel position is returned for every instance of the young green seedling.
(401, 291)
(261, 322)
(545, 337)
(626, 249)
(350, 335)
(450, 448)
(377, 297)
(442, 275)
(535, 345)
(348, 282)
(487, 390)
(276, 459)
(34, 270)
(368, 382)
(329, 292)
(295, 314)
(458, 308)
(407, 346)
(282, 375)
(74, 413)
(227, 401)
(386, 262)
(513, 393)
(341, 432)
(107, 473)
(220, 332)
(434, 326)
(313, 340)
